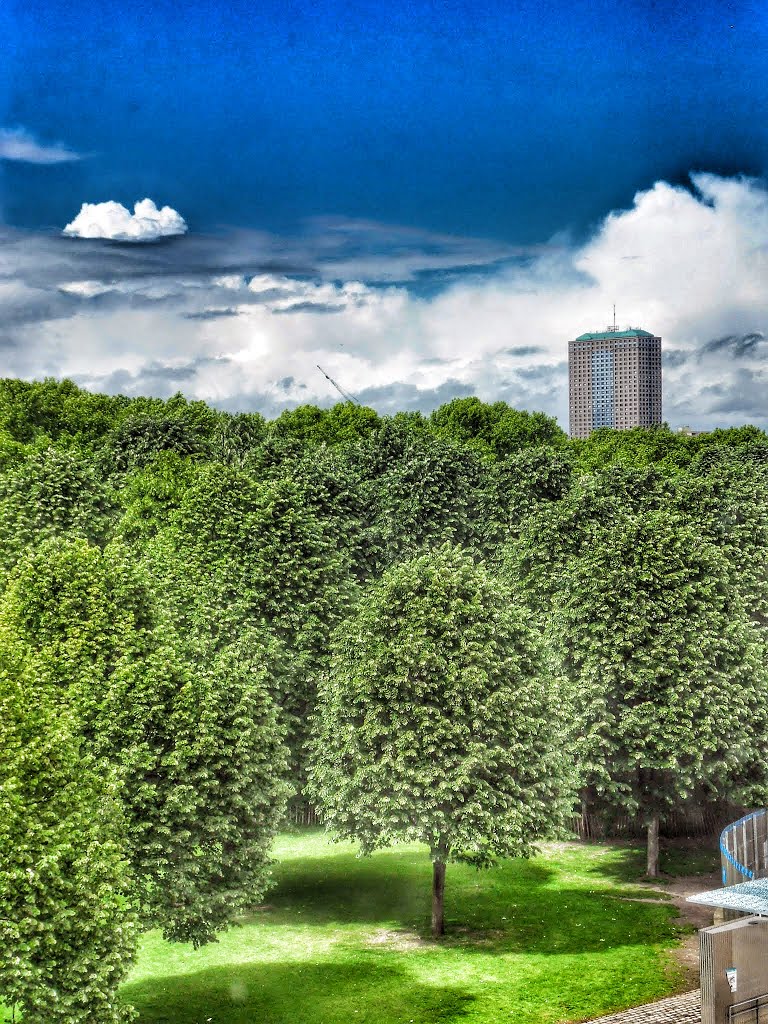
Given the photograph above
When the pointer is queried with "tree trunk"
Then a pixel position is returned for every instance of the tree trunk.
(652, 869)
(438, 892)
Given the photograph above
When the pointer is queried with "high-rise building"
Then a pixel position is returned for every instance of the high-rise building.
(614, 380)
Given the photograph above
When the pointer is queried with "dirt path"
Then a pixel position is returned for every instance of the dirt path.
(679, 888)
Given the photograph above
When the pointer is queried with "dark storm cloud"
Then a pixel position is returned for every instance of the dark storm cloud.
(737, 345)
(326, 249)
(413, 253)
(743, 397)
(211, 314)
(35, 307)
(523, 350)
(542, 372)
(7, 343)
(675, 357)
(310, 307)
(202, 276)
(287, 383)
(40, 260)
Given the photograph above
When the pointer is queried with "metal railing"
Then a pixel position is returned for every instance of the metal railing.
(744, 848)
(749, 1011)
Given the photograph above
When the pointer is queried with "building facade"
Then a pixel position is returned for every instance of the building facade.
(614, 380)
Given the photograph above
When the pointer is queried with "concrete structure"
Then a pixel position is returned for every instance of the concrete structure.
(614, 380)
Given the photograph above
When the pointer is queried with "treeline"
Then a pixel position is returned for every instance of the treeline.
(178, 585)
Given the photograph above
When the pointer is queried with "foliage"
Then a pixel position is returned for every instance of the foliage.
(556, 532)
(56, 410)
(237, 437)
(203, 782)
(418, 492)
(530, 480)
(67, 923)
(659, 446)
(496, 429)
(668, 673)
(52, 493)
(141, 437)
(728, 501)
(149, 495)
(341, 424)
(193, 743)
(438, 723)
(239, 554)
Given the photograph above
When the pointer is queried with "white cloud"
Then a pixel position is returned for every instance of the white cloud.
(112, 220)
(18, 144)
(690, 265)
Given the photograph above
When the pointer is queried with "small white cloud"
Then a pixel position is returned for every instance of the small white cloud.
(112, 220)
(18, 144)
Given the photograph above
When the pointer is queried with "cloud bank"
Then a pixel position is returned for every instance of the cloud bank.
(113, 221)
(242, 320)
(20, 145)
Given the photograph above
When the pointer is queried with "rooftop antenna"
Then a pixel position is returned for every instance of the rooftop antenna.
(613, 329)
(342, 392)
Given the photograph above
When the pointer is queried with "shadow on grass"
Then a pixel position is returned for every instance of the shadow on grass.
(677, 857)
(385, 889)
(295, 993)
(565, 921)
(517, 907)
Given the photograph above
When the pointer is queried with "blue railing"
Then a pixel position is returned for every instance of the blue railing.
(744, 848)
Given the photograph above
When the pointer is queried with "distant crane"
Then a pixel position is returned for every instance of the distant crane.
(342, 392)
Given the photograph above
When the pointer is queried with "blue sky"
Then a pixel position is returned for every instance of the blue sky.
(513, 121)
(431, 147)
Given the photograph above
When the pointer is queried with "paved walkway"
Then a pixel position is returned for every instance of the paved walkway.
(684, 1009)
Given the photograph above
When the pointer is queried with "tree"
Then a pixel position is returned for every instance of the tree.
(53, 493)
(496, 430)
(438, 722)
(203, 766)
(190, 736)
(420, 491)
(726, 495)
(238, 554)
(342, 423)
(57, 410)
(557, 531)
(666, 668)
(68, 923)
(521, 483)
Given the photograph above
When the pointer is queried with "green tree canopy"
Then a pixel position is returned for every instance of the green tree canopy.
(667, 670)
(68, 923)
(341, 424)
(496, 429)
(438, 722)
(52, 493)
(191, 737)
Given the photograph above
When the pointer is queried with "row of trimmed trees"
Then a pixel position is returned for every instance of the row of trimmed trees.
(442, 631)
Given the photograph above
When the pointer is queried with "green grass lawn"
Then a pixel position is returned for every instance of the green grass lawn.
(557, 938)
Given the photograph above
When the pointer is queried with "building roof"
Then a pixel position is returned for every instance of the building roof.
(630, 332)
(747, 897)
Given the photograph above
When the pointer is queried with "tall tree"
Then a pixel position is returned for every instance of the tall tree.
(420, 491)
(668, 672)
(497, 429)
(239, 554)
(191, 737)
(52, 493)
(438, 722)
(68, 922)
